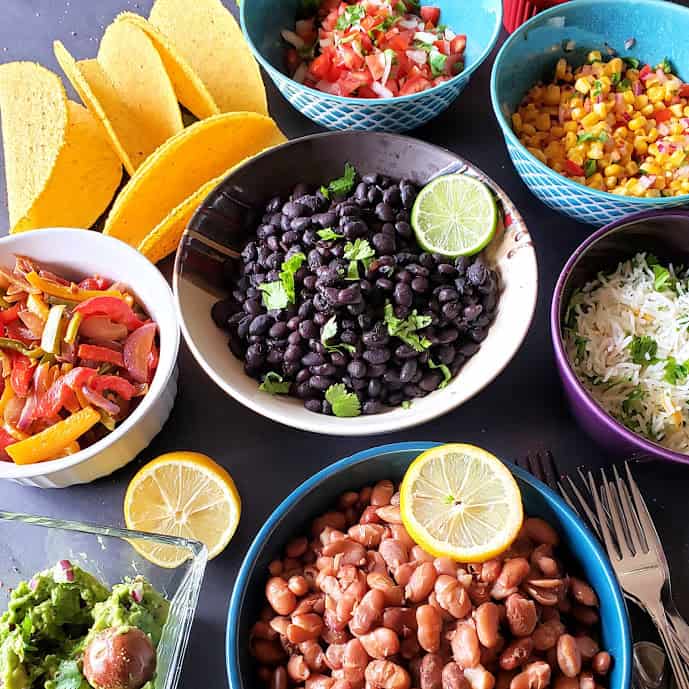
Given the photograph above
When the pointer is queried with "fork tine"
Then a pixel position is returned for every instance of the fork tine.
(648, 529)
(566, 498)
(535, 466)
(593, 520)
(617, 525)
(549, 468)
(613, 554)
(628, 510)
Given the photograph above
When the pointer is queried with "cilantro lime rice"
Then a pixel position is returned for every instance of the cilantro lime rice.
(627, 338)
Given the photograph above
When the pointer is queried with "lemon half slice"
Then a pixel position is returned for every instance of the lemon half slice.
(462, 502)
(183, 494)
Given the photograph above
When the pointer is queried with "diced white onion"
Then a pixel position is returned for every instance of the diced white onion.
(420, 57)
(425, 37)
(381, 90)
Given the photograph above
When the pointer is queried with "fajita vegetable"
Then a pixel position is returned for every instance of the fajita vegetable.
(75, 361)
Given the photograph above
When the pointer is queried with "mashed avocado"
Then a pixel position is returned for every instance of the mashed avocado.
(53, 617)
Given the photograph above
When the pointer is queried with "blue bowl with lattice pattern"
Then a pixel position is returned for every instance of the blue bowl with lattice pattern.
(570, 30)
(263, 20)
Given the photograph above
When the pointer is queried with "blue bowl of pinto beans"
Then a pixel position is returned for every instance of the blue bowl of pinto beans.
(336, 497)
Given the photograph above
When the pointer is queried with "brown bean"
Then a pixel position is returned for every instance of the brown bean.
(545, 635)
(540, 531)
(375, 562)
(452, 596)
(491, 570)
(445, 565)
(394, 553)
(297, 547)
(298, 585)
(263, 630)
(304, 628)
(279, 678)
(279, 624)
(431, 672)
(582, 592)
(465, 646)
(563, 682)
(334, 636)
(275, 568)
(409, 648)
(314, 602)
(319, 682)
(404, 572)
(479, 592)
(394, 595)
(382, 492)
(487, 618)
(313, 655)
(399, 533)
(351, 552)
(297, 669)
(369, 516)
(588, 647)
(601, 663)
(396, 498)
(584, 614)
(542, 558)
(368, 612)
(586, 681)
(281, 599)
(534, 676)
(521, 615)
(365, 496)
(267, 652)
(516, 654)
(513, 572)
(421, 582)
(334, 655)
(326, 565)
(380, 643)
(547, 596)
(429, 627)
(401, 620)
(568, 655)
(418, 554)
(503, 679)
(348, 499)
(453, 677)
(390, 514)
(335, 520)
(368, 535)
(384, 674)
(479, 678)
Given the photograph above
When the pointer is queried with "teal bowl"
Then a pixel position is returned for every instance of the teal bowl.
(321, 491)
(263, 20)
(659, 29)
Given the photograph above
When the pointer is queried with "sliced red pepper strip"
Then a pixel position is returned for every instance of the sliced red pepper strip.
(662, 115)
(96, 353)
(5, 440)
(573, 169)
(115, 384)
(9, 315)
(22, 373)
(61, 392)
(116, 309)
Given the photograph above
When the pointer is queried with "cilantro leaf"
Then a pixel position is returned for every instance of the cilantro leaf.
(328, 332)
(590, 167)
(580, 343)
(274, 295)
(635, 395)
(353, 14)
(438, 62)
(68, 675)
(343, 403)
(675, 373)
(287, 271)
(662, 279)
(643, 350)
(360, 250)
(343, 185)
(274, 384)
(406, 329)
(329, 234)
(447, 374)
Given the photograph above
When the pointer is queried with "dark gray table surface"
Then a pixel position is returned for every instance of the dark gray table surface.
(521, 411)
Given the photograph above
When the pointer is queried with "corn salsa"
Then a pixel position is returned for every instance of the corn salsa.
(616, 125)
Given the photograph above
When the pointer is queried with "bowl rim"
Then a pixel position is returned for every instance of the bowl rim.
(374, 102)
(520, 34)
(563, 511)
(570, 380)
(165, 369)
(349, 426)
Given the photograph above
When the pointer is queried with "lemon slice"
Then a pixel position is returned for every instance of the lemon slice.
(462, 502)
(183, 494)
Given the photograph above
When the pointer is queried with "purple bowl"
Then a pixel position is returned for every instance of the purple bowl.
(663, 233)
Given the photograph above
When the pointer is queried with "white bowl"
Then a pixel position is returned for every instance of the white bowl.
(511, 251)
(77, 254)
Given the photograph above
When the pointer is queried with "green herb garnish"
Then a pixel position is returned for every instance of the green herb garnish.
(438, 63)
(406, 329)
(590, 136)
(360, 250)
(628, 405)
(406, 404)
(344, 403)
(643, 350)
(68, 675)
(624, 85)
(676, 373)
(597, 88)
(353, 14)
(276, 295)
(615, 78)
(590, 167)
(665, 65)
(662, 279)
(343, 185)
(328, 332)
(274, 384)
(447, 374)
(632, 62)
(329, 234)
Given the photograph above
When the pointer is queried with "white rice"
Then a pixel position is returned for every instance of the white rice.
(601, 325)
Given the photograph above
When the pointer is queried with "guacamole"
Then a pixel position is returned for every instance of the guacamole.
(52, 619)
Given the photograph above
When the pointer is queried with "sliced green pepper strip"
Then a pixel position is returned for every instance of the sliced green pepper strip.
(18, 346)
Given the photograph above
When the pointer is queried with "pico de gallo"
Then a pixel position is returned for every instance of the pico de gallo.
(372, 48)
(75, 360)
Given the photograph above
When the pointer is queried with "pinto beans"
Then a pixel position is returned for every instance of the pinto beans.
(516, 654)
(534, 676)
(521, 615)
(281, 599)
(297, 669)
(429, 628)
(568, 655)
(601, 663)
(421, 582)
(513, 572)
(394, 553)
(431, 671)
(487, 618)
(368, 612)
(452, 596)
(368, 535)
(453, 678)
(465, 646)
(384, 674)
(380, 643)
(582, 592)
(382, 493)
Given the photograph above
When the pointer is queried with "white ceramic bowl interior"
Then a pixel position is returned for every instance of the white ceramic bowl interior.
(511, 251)
(77, 254)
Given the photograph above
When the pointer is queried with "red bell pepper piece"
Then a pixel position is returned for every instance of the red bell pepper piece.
(573, 169)
(10, 314)
(96, 353)
(22, 373)
(684, 91)
(116, 309)
(5, 440)
(61, 392)
(95, 283)
(431, 15)
(662, 115)
(645, 71)
(115, 384)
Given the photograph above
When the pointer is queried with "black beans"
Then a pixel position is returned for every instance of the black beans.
(338, 327)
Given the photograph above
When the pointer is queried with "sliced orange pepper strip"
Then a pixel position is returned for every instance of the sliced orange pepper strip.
(71, 292)
(49, 443)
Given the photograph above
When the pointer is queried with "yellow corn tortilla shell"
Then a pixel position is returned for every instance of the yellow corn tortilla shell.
(182, 164)
(84, 179)
(190, 90)
(132, 135)
(208, 37)
(33, 108)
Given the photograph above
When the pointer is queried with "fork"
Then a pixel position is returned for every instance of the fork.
(633, 551)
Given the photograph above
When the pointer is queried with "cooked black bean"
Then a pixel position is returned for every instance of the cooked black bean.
(260, 325)
(377, 356)
(320, 382)
(313, 404)
(402, 294)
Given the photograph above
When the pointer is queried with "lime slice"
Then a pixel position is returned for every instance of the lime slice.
(454, 215)
(462, 502)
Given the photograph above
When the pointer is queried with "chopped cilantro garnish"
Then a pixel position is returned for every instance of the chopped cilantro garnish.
(328, 234)
(643, 350)
(287, 271)
(590, 136)
(438, 62)
(676, 373)
(590, 167)
(447, 374)
(343, 185)
(360, 250)
(662, 279)
(274, 384)
(353, 14)
(276, 295)
(580, 343)
(406, 329)
(343, 403)
(328, 332)
(628, 405)
(597, 88)
(615, 78)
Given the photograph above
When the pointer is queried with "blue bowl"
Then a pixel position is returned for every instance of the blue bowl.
(529, 55)
(262, 21)
(321, 491)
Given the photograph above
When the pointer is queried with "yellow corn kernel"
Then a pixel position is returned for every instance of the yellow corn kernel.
(542, 122)
(570, 126)
(628, 97)
(583, 85)
(621, 133)
(677, 158)
(557, 131)
(561, 68)
(576, 102)
(651, 168)
(640, 146)
(632, 168)
(641, 101)
(590, 119)
(538, 153)
(611, 182)
(594, 56)
(578, 113)
(677, 110)
(647, 110)
(576, 157)
(614, 170)
(600, 109)
(659, 183)
(652, 193)
(552, 95)
(570, 140)
(517, 122)
(655, 94)
(637, 123)
(595, 181)
(596, 151)
(652, 136)
(676, 128)
(529, 129)
(614, 66)
(686, 111)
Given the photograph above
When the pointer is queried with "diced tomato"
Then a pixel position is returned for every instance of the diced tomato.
(5, 440)
(293, 60)
(454, 64)
(645, 71)
(350, 58)
(370, 21)
(22, 373)
(662, 115)
(16, 331)
(414, 84)
(95, 282)
(8, 315)
(431, 15)
(366, 92)
(458, 44)
(349, 82)
(104, 354)
(398, 41)
(376, 65)
(320, 67)
(393, 86)
(116, 309)
(573, 169)
(443, 46)
(115, 384)
(684, 91)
